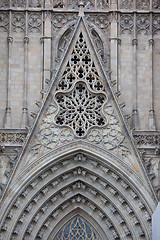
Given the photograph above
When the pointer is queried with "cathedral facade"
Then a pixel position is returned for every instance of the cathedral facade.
(79, 119)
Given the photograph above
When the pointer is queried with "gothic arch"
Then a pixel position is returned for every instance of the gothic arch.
(79, 212)
(77, 180)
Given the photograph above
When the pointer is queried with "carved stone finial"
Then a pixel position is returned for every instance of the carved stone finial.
(25, 118)
(7, 123)
(81, 8)
(151, 120)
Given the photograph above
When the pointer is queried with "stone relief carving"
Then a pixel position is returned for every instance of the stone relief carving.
(103, 4)
(58, 4)
(101, 20)
(4, 3)
(143, 23)
(126, 4)
(35, 22)
(156, 24)
(89, 4)
(63, 43)
(147, 139)
(35, 3)
(126, 23)
(143, 4)
(18, 22)
(4, 21)
(18, 3)
(59, 20)
(13, 138)
(156, 4)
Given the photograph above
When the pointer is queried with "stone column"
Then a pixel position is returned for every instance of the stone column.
(46, 40)
(25, 117)
(151, 117)
(114, 47)
(156, 224)
(8, 118)
(135, 122)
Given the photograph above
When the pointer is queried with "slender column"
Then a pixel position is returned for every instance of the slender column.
(135, 122)
(25, 117)
(114, 47)
(8, 119)
(46, 41)
(151, 118)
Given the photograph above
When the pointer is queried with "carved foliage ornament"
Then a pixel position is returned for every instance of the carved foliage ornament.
(35, 3)
(4, 21)
(4, 3)
(143, 23)
(156, 24)
(126, 4)
(101, 20)
(143, 4)
(126, 23)
(18, 3)
(156, 4)
(35, 22)
(18, 22)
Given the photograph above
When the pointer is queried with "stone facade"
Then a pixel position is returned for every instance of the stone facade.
(79, 118)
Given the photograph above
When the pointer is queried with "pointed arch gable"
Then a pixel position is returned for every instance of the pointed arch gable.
(102, 162)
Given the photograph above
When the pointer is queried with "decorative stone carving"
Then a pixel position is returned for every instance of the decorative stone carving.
(126, 23)
(18, 22)
(143, 4)
(12, 137)
(103, 4)
(143, 23)
(59, 20)
(126, 4)
(58, 4)
(63, 43)
(156, 4)
(35, 22)
(98, 43)
(101, 20)
(18, 3)
(4, 3)
(4, 21)
(80, 109)
(35, 3)
(147, 139)
(74, 4)
(156, 24)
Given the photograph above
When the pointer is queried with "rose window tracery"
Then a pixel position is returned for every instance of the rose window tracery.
(80, 94)
(77, 229)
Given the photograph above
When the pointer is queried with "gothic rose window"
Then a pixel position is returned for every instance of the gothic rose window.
(80, 92)
(77, 229)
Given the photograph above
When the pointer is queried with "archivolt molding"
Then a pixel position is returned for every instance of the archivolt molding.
(61, 182)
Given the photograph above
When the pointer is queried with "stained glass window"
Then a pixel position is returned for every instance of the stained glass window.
(77, 229)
